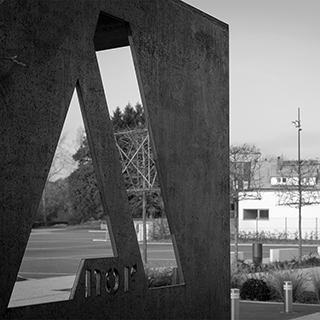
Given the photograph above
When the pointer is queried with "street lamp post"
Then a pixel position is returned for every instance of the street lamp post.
(297, 124)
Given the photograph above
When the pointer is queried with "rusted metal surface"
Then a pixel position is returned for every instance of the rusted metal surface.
(47, 48)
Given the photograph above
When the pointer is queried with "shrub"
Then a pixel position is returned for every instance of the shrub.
(305, 283)
(236, 281)
(277, 277)
(315, 280)
(245, 266)
(159, 276)
(239, 274)
(161, 229)
(255, 289)
(275, 236)
(307, 297)
(308, 260)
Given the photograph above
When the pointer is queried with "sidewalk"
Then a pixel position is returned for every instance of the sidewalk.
(57, 289)
(36, 291)
(250, 310)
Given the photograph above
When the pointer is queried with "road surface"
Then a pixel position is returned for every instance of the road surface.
(57, 252)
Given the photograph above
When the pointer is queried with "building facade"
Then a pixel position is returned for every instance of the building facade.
(273, 206)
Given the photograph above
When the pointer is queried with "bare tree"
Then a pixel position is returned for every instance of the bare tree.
(61, 167)
(298, 187)
(244, 180)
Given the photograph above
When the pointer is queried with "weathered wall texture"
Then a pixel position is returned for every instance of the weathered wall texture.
(181, 59)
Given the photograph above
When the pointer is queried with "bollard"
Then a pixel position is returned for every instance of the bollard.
(257, 253)
(235, 304)
(287, 288)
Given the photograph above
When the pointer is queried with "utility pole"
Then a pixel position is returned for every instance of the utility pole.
(297, 124)
(144, 211)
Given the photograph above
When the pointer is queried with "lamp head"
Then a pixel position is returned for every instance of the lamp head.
(296, 123)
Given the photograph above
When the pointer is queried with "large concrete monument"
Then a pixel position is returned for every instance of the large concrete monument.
(47, 48)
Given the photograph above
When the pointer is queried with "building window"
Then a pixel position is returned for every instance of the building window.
(263, 214)
(253, 214)
(278, 181)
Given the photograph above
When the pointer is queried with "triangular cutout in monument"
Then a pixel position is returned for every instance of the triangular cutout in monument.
(54, 249)
(136, 156)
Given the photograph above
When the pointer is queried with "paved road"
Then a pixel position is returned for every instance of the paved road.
(57, 252)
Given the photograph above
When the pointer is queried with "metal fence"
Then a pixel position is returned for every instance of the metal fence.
(281, 228)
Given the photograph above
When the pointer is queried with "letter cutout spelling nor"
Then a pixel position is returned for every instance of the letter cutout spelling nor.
(181, 59)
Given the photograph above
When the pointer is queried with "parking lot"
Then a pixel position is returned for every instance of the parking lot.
(57, 252)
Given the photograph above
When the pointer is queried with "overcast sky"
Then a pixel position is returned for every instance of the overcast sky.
(274, 69)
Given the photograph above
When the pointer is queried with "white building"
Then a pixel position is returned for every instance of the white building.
(268, 208)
